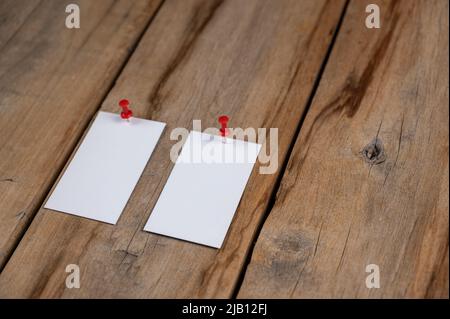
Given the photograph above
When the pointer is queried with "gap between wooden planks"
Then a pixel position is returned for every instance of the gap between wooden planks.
(52, 80)
(337, 211)
(255, 61)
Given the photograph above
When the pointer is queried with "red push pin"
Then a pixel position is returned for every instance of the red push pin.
(223, 120)
(126, 112)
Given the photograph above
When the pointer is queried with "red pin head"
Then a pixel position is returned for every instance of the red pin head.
(126, 112)
(223, 120)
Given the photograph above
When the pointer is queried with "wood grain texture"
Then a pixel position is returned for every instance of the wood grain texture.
(341, 208)
(52, 80)
(255, 61)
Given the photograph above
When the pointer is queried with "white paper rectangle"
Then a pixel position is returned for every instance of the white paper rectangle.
(106, 167)
(204, 189)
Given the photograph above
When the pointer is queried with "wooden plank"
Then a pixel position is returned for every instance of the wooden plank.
(52, 80)
(337, 211)
(255, 61)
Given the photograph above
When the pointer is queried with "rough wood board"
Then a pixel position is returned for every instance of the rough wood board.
(335, 213)
(52, 80)
(255, 61)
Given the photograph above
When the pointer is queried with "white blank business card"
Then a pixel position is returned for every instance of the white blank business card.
(204, 188)
(106, 167)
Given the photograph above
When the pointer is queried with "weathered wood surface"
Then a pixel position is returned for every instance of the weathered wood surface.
(335, 213)
(255, 61)
(52, 80)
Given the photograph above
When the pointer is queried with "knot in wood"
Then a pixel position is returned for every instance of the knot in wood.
(373, 153)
